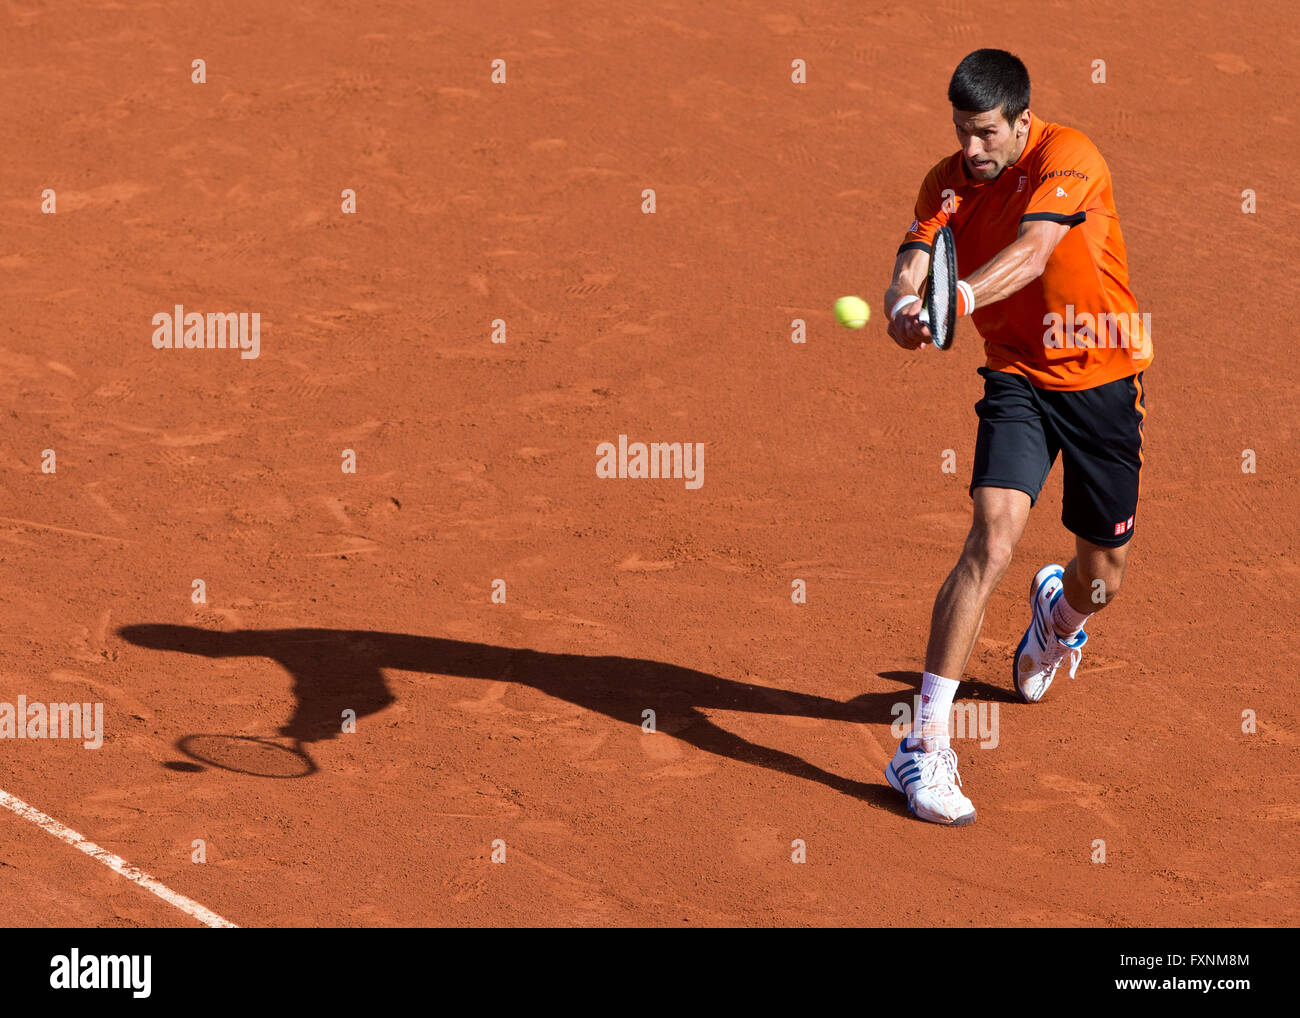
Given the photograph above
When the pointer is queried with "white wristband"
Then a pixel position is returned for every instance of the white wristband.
(964, 287)
(902, 303)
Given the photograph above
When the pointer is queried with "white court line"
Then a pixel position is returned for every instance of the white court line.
(114, 862)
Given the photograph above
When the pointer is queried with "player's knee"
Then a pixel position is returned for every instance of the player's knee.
(988, 552)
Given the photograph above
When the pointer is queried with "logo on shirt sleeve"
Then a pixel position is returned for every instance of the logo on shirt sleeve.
(916, 225)
(1060, 193)
(1062, 173)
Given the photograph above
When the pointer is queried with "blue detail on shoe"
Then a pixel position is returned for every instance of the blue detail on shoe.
(909, 773)
(1051, 610)
(913, 773)
(1044, 619)
(894, 770)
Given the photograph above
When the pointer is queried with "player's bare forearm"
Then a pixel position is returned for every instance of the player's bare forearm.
(1018, 264)
(910, 269)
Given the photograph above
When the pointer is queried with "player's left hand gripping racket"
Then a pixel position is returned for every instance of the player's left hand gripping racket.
(940, 310)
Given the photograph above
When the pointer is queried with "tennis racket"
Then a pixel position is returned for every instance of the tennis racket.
(940, 302)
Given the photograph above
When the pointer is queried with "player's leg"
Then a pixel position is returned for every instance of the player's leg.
(924, 766)
(1013, 454)
(998, 521)
(1093, 578)
(1100, 434)
(1012, 458)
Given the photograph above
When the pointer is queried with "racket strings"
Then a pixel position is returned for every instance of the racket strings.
(941, 291)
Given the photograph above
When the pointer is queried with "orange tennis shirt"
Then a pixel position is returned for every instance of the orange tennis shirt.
(1077, 326)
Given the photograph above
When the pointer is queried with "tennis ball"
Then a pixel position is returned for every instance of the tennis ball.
(852, 312)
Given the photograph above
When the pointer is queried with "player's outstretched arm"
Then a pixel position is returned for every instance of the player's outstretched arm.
(905, 328)
(1018, 264)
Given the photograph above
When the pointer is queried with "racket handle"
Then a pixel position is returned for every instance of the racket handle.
(924, 316)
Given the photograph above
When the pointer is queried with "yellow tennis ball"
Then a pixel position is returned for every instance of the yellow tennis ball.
(852, 312)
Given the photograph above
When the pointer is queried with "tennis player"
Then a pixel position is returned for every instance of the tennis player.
(1030, 206)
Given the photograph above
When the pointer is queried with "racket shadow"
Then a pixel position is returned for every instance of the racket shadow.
(254, 755)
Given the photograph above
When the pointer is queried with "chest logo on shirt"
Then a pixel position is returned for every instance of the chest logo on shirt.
(1021, 186)
(1060, 193)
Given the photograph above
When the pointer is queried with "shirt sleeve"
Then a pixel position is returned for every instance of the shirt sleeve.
(1069, 180)
(931, 212)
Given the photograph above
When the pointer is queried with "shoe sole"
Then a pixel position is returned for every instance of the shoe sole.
(1015, 666)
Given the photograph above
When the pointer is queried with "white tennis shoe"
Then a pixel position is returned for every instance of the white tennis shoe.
(1041, 651)
(931, 783)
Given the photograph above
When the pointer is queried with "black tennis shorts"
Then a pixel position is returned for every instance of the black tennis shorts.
(1098, 431)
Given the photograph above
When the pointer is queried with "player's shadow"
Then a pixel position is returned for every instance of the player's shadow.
(335, 670)
(971, 689)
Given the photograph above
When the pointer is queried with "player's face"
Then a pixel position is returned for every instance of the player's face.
(990, 144)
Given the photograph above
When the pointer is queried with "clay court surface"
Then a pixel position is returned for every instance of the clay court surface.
(521, 721)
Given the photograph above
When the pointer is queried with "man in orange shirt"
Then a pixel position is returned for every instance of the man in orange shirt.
(1030, 206)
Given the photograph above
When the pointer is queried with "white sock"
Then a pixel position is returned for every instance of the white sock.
(931, 725)
(1066, 621)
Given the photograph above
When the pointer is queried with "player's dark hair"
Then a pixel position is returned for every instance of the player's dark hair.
(990, 79)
